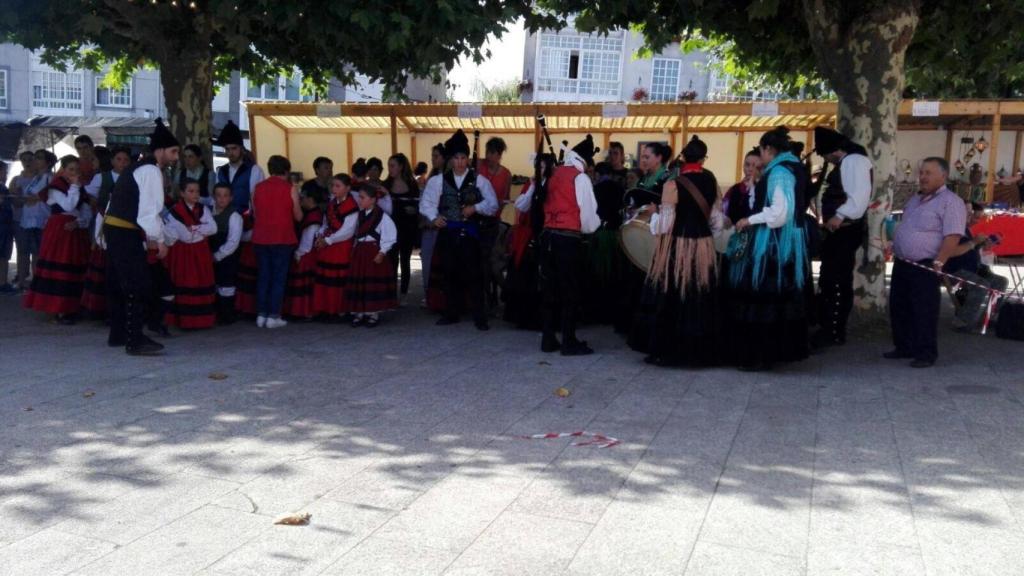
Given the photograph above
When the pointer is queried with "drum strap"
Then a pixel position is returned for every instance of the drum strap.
(697, 197)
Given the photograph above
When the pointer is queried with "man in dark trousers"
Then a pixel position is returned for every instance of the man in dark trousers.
(132, 225)
(929, 233)
(844, 204)
(569, 211)
(454, 202)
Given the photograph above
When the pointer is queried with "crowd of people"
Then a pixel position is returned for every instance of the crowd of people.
(167, 241)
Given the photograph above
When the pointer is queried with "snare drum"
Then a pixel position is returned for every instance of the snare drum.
(637, 241)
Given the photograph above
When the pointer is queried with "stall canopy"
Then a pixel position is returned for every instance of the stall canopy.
(344, 131)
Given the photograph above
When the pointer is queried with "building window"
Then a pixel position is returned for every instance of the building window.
(113, 97)
(665, 79)
(579, 64)
(56, 91)
(284, 89)
(3, 89)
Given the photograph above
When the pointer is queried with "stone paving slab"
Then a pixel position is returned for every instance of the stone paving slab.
(406, 444)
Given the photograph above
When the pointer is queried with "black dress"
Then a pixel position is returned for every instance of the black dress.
(605, 258)
(768, 323)
(682, 325)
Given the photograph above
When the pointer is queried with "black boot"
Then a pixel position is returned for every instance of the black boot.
(549, 343)
(138, 344)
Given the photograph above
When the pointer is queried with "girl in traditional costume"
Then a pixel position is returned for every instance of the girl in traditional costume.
(189, 261)
(334, 249)
(298, 296)
(371, 287)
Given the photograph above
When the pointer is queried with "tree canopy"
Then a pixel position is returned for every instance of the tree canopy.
(959, 49)
(198, 42)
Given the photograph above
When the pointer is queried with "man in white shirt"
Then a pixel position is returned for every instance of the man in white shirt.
(570, 210)
(844, 203)
(454, 202)
(241, 173)
(132, 225)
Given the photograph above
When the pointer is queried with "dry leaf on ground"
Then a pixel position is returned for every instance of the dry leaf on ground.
(218, 376)
(88, 394)
(562, 392)
(294, 519)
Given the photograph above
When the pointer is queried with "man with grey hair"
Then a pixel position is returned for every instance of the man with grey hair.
(929, 233)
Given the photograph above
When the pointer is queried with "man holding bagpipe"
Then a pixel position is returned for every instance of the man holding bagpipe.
(455, 202)
(568, 210)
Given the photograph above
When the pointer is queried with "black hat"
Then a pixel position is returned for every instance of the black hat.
(230, 134)
(586, 150)
(695, 150)
(457, 144)
(162, 137)
(827, 140)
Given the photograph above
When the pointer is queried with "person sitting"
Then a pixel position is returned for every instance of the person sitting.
(965, 263)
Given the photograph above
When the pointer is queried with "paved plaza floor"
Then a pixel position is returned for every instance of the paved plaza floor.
(406, 446)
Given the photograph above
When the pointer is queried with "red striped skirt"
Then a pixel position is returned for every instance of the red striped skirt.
(332, 270)
(94, 294)
(245, 282)
(298, 295)
(191, 270)
(371, 286)
(60, 272)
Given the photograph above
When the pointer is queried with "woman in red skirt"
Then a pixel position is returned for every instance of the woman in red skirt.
(64, 254)
(334, 249)
(189, 261)
(298, 296)
(372, 287)
(245, 281)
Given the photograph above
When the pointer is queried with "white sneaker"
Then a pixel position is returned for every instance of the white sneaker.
(276, 323)
(261, 321)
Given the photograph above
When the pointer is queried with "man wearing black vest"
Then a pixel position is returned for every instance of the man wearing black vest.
(131, 225)
(240, 172)
(843, 206)
(454, 202)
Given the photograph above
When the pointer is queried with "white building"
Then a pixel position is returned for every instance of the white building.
(570, 66)
(31, 89)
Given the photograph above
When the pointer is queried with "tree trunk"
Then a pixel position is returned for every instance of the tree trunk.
(864, 64)
(188, 91)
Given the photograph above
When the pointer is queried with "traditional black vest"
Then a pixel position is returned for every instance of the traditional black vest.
(453, 198)
(223, 221)
(834, 195)
(124, 198)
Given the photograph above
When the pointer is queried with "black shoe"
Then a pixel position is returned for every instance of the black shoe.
(825, 339)
(482, 325)
(146, 347)
(577, 349)
(357, 321)
(372, 322)
(896, 355)
(758, 367)
(65, 320)
(549, 344)
(446, 321)
(921, 363)
(656, 361)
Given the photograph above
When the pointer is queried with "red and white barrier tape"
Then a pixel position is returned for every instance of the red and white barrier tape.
(993, 294)
(594, 439)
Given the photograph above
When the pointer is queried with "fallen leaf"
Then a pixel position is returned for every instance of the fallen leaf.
(562, 392)
(28, 408)
(218, 376)
(544, 363)
(88, 394)
(294, 519)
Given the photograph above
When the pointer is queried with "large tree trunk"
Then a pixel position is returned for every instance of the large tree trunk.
(864, 63)
(188, 90)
